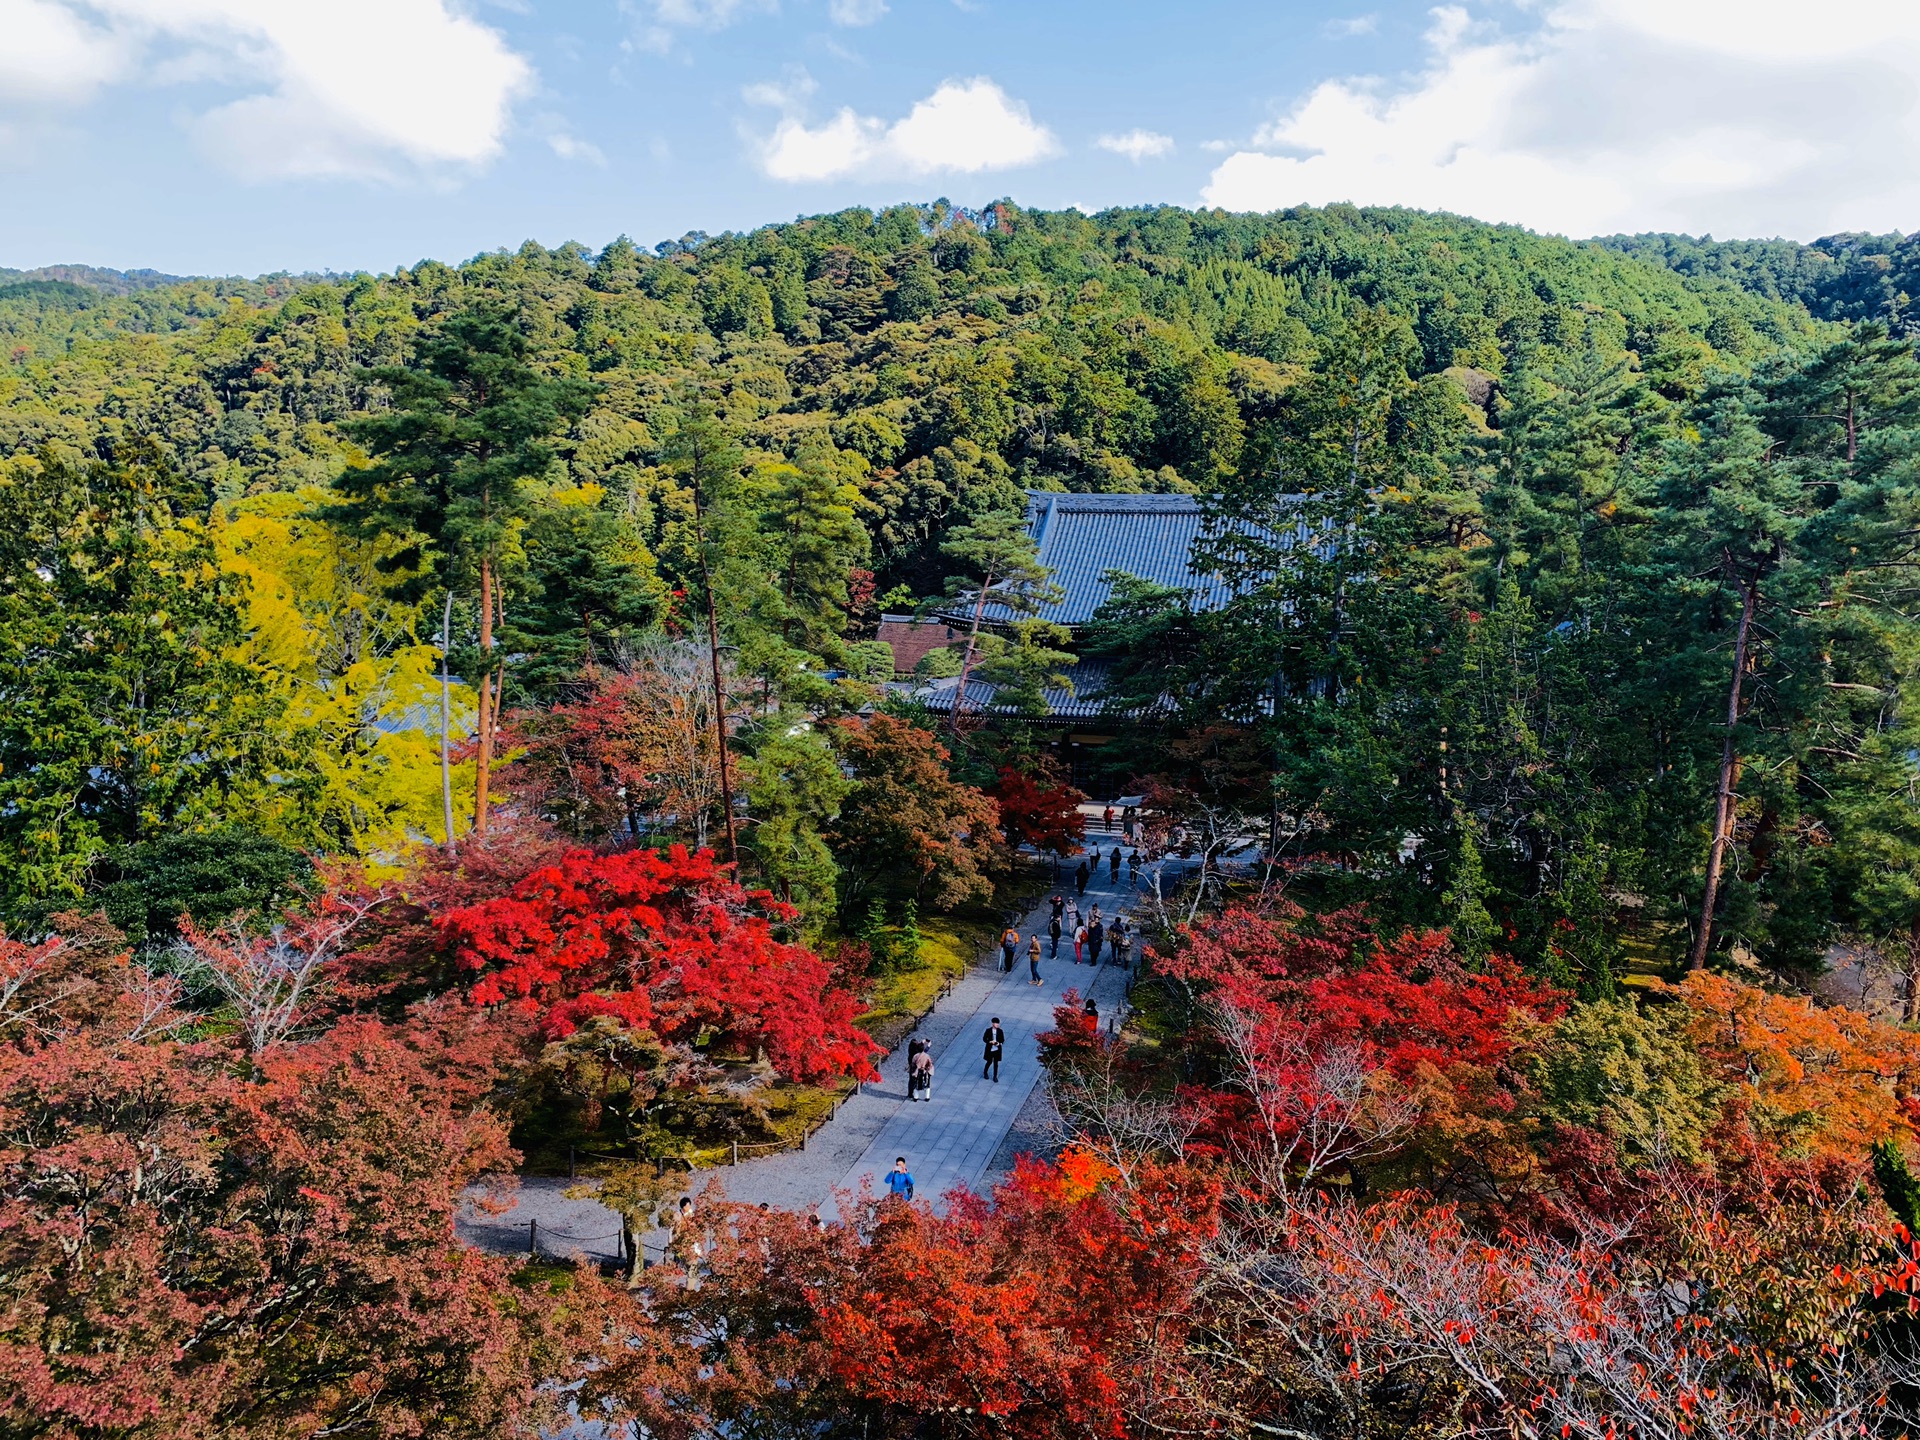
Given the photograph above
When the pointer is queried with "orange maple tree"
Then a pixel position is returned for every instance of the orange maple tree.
(1819, 1078)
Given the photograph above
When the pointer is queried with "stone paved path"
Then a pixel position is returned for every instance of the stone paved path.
(952, 1141)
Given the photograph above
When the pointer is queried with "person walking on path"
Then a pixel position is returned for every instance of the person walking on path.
(1033, 960)
(685, 1241)
(900, 1179)
(1106, 818)
(922, 1067)
(1132, 857)
(1096, 937)
(1053, 929)
(1079, 940)
(1123, 948)
(1080, 879)
(1117, 937)
(1058, 905)
(1113, 866)
(1009, 943)
(1073, 915)
(995, 1041)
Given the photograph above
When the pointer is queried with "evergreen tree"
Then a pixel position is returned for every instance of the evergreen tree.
(1008, 584)
(1730, 518)
(794, 787)
(457, 462)
(123, 715)
(707, 460)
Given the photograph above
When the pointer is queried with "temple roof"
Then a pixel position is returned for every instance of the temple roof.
(1082, 537)
(1085, 701)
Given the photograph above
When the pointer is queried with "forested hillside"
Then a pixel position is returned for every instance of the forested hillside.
(921, 366)
(442, 729)
(1850, 277)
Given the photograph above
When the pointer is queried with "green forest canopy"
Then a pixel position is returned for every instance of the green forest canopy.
(888, 378)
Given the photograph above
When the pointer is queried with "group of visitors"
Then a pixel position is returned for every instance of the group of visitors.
(919, 1070)
(1128, 816)
(1088, 934)
(920, 1061)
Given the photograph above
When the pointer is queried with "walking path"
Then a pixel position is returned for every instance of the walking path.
(952, 1141)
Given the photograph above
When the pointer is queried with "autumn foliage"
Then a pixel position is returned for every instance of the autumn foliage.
(1820, 1079)
(1320, 1023)
(190, 1244)
(908, 828)
(663, 941)
(1036, 1314)
(1037, 812)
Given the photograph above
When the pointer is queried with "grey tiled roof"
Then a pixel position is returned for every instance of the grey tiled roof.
(1082, 537)
(1084, 702)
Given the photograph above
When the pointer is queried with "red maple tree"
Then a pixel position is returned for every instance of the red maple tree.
(664, 941)
(191, 1244)
(1038, 1316)
(1332, 1044)
(1038, 812)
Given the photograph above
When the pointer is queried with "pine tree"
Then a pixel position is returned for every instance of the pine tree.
(1464, 900)
(123, 714)
(457, 462)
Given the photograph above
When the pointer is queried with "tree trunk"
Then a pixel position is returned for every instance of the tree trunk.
(483, 761)
(1723, 798)
(966, 660)
(719, 690)
(1910, 1002)
(446, 723)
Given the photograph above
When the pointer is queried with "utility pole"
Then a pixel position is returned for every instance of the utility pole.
(446, 723)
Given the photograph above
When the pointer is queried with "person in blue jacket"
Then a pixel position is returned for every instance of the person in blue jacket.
(900, 1179)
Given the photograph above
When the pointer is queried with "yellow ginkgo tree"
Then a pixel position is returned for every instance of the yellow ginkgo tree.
(360, 671)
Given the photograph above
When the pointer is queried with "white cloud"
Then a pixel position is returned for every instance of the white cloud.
(569, 146)
(785, 94)
(51, 55)
(856, 12)
(1738, 117)
(660, 20)
(339, 87)
(1137, 145)
(964, 126)
(1351, 26)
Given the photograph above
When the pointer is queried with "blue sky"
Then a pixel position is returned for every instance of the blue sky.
(242, 136)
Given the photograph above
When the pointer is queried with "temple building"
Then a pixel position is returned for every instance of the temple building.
(1080, 538)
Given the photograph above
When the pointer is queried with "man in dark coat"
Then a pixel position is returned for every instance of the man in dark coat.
(1096, 936)
(1080, 878)
(995, 1041)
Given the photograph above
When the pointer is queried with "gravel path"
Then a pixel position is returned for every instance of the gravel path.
(967, 1136)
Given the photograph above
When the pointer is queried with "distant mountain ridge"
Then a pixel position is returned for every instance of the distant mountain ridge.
(1846, 277)
(94, 277)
